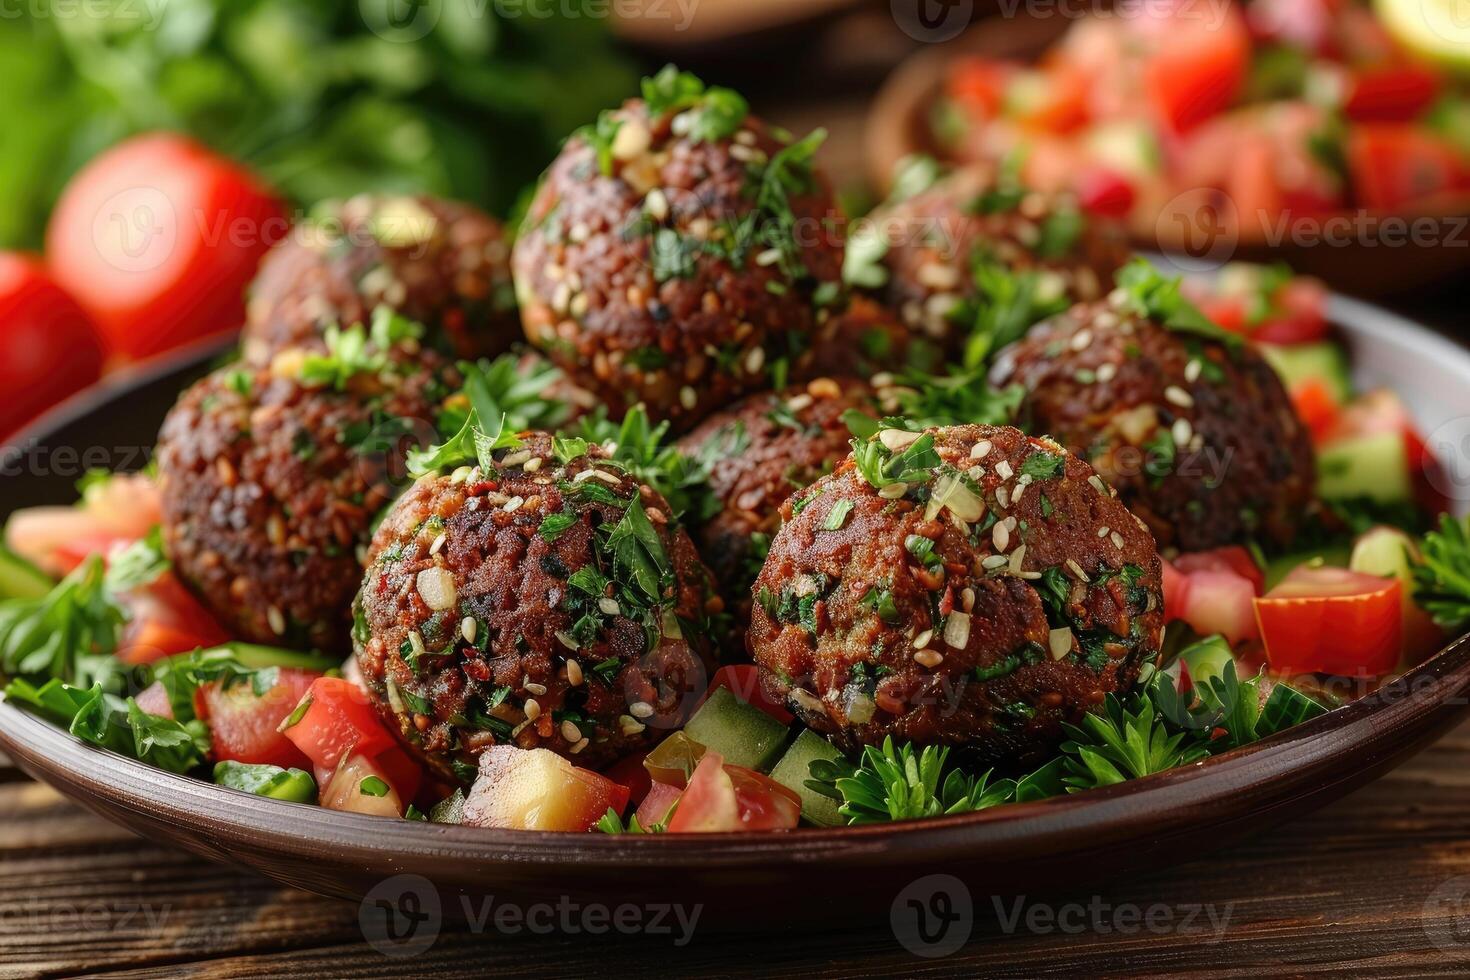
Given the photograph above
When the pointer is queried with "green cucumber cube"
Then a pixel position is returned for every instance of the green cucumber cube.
(745, 736)
(794, 770)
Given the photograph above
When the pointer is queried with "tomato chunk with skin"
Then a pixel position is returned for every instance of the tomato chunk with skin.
(1213, 591)
(743, 681)
(333, 719)
(243, 725)
(1332, 621)
(164, 618)
(725, 799)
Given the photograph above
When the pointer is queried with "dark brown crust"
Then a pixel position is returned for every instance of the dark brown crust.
(935, 236)
(763, 459)
(1014, 717)
(441, 263)
(1252, 474)
(586, 283)
(863, 339)
(514, 584)
(266, 505)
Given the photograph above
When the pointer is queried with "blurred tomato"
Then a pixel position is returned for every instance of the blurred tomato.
(1198, 63)
(49, 347)
(1395, 165)
(157, 238)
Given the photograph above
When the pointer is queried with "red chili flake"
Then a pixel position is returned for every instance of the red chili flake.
(483, 486)
(477, 669)
(946, 605)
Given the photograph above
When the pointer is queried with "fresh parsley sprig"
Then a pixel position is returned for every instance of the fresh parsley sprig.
(893, 783)
(504, 398)
(1442, 574)
(1152, 294)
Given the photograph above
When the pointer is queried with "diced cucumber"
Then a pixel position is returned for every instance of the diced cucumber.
(1384, 551)
(256, 657)
(794, 770)
(1374, 466)
(19, 579)
(1322, 361)
(1128, 147)
(745, 736)
(1207, 659)
(292, 785)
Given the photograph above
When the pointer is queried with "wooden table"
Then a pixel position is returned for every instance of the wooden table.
(1375, 883)
(1368, 884)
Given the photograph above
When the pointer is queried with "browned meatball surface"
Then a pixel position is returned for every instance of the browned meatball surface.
(441, 263)
(539, 603)
(930, 244)
(860, 340)
(991, 588)
(1197, 435)
(766, 448)
(674, 265)
(270, 484)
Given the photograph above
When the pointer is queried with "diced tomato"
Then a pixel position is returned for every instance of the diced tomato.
(629, 773)
(1332, 621)
(656, 805)
(1316, 406)
(1227, 312)
(1299, 314)
(359, 785)
(157, 238)
(1212, 592)
(153, 699)
(723, 799)
(1391, 93)
(1104, 192)
(243, 725)
(978, 84)
(1055, 101)
(164, 618)
(119, 510)
(1306, 24)
(1396, 165)
(536, 789)
(743, 681)
(335, 719)
(1196, 69)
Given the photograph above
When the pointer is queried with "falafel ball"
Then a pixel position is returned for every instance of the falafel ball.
(674, 252)
(763, 449)
(932, 243)
(987, 589)
(441, 263)
(270, 481)
(549, 601)
(864, 338)
(1197, 434)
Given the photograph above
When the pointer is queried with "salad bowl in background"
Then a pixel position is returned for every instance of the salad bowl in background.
(1387, 258)
(748, 880)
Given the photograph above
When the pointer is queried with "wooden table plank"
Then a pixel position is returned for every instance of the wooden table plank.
(1343, 891)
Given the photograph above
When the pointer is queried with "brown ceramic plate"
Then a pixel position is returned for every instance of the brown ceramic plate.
(1385, 258)
(795, 879)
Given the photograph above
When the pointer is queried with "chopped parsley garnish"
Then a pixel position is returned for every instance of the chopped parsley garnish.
(1044, 466)
(553, 525)
(837, 516)
(713, 113)
(880, 466)
(1442, 574)
(599, 135)
(373, 786)
(1159, 297)
(503, 400)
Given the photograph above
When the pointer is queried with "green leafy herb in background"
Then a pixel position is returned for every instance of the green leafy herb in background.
(324, 98)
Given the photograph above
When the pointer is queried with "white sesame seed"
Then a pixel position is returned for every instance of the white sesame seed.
(1182, 432)
(532, 709)
(1016, 493)
(533, 464)
(437, 545)
(1117, 540)
(1107, 372)
(755, 360)
(584, 476)
(640, 709)
(937, 275)
(277, 621)
(981, 449)
(576, 749)
(769, 257)
(800, 402)
(1176, 395)
(574, 673)
(1076, 570)
(896, 439)
(1003, 469)
(1017, 557)
(534, 688)
(1192, 370)
(1081, 340)
(460, 474)
(922, 640)
(609, 478)
(688, 397)
(1102, 532)
(629, 725)
(469, 629)
(1097, 483)
(1003, 496)
(656, 204)
(609, 606)
(570, 731)
(929, 658)
(1060, 642)
(516, 458)
(992, 562)
(514, 504)
(566, 639)
(967, 599)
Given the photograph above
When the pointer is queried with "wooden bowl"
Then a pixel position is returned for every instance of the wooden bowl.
(798, 879)
(1389, 260)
